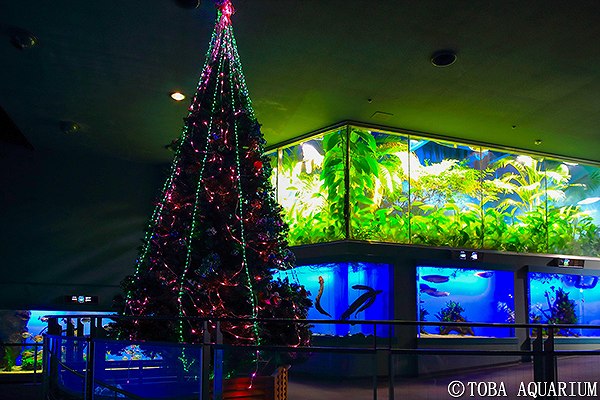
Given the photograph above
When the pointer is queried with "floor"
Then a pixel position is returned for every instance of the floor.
(576, 369)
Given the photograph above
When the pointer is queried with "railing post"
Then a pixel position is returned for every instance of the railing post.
(538, 359)
(205, 364)
(46, 366)
(218, 364)
(390, 366)
(550, 360)
(374, 361)
(89, 371)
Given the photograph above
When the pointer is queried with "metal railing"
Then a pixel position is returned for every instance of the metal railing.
(82, 360)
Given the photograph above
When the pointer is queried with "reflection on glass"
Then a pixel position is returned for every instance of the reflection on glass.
(445, 189)
(415, 190)
(463, 295)
(565, 299)
(273, 161)
(573, 203)
(311, 189)
(378, 186)
(515, 203)
(345, 291)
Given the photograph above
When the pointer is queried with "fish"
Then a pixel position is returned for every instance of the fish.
(318, 298)
(363, 301)
(569, 280)
(586, 282)
(436, 278)
(589, 200)
(438, 293)
(432, 291)
(484, 274)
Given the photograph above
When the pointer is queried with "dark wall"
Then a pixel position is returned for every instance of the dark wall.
(70, 224)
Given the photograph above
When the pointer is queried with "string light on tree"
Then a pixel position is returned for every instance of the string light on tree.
(216, 233)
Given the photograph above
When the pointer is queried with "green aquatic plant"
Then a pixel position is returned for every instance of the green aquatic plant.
(515, 203)
(561, 310)
(452, 312)
(31, 360)
(311, 190)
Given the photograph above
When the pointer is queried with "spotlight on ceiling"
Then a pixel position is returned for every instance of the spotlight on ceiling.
(22, 39)
(443, 58)
(188, 3)
(177, 96)
(69, 127)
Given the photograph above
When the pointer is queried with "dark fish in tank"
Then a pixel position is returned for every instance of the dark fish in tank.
(436, 278)
(586, 282)
(580, 282)
(484, 274)
(363, 301)
(432, 291)
(569, 280)
(318, 298)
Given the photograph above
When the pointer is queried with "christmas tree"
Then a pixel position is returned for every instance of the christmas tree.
(216, 234)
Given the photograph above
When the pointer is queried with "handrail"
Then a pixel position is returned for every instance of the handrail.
(538, 347)
(392, 322)
(96, 381)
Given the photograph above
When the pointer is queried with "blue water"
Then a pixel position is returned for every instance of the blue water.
(37, 324)
(339, 294)
(584, 291)
(485, 296)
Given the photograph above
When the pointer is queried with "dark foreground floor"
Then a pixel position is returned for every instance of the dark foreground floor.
(573, 369)
(20, 391)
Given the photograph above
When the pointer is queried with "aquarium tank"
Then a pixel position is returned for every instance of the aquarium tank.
(449, 294)
(565, 299)
(345, 291)
(28, 327)
(361, 183)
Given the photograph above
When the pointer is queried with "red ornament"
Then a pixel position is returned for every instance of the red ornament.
(258, 165)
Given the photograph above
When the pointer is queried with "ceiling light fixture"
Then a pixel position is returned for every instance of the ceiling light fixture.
(177, 96)
(537, 142)
(188, 3)
(443, 58)
(22, 39)
(69, 127)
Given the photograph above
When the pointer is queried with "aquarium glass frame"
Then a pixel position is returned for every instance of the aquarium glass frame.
(501, 227)
(578, 283)
(434, 287)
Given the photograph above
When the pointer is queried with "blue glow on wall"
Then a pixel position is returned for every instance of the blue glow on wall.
(461, 294)
(351, 290)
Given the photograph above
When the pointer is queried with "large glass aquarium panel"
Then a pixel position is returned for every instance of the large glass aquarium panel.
(565, 299)
(367, 184)
(514, 203)
(310, 188)
(445, 191)
(378, 186)
(27, 327)
(345, 291)
(465, 295)
(573, 193)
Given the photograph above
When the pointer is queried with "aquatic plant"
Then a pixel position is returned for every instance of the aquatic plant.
(452, 312)
(560, 311)
(507, 310)
(423, 313)
(394, 193)
(31, 360)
